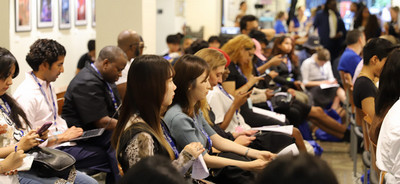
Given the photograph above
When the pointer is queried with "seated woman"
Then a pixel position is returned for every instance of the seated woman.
(317, 71)
(224, 111)
(187, 124)
(240, 50)
(140, 131)
(388, 108)
(19, 135)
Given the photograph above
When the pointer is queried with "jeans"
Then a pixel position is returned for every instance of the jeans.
(30, 177)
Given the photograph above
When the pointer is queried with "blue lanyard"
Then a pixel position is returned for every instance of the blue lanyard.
(6, 110)
(169, 139)
(229, 96)
(240, 71)
(289, 65)
(204, 133)
(321, 70)
(109, 89)
(54, 109)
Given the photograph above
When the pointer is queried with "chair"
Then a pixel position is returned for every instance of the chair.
(60, 100)
(355, 131)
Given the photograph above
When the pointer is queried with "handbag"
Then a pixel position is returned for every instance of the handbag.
(49, 162)
(281, 101)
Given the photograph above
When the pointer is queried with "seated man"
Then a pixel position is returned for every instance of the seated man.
(38, 100)
(92, 100)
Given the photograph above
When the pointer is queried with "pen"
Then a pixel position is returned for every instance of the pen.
(16, 148)
(41, 140)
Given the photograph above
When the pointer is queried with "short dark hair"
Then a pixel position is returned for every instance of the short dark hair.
(377, 47)
(44, 50)
(353, 36)
(213, 39)
(91, 45)
(259, 36)
(111, 53)
(300, 169)
(196, 46)
(173, 39)
(245, 19)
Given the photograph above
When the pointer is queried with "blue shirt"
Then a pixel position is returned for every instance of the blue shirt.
(349, 61)
(279, 27)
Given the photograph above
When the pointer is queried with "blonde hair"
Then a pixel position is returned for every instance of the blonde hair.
(233, 49)
(215, 59)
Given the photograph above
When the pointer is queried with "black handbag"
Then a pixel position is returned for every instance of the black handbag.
(49, 162)
(281, 101)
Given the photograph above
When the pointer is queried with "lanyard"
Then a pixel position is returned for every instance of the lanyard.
(269, 103)
(209, 141)
(240, 71)
(229, 96)
(321, 70)
(169, 139)
(54, 109)
(6, 110)
(109, 89)
(289, 65)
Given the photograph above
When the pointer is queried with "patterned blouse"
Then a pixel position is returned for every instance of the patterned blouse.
(142, 145)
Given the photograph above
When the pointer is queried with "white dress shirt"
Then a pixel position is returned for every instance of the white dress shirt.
(124, 73)
(388, 147)
(38, 111)
(311, 71)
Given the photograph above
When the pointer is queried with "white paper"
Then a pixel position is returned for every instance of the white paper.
(326, 86)
(287, 129)
(279, 117)
(199, 168)
(291, 149)
(26, 163)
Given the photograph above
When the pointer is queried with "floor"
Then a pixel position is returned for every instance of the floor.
(336, 154)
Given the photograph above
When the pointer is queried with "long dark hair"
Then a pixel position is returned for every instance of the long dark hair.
(276, 50)
(188, 68)
(372, 29)
(7, 61)
(145, 90)
(389, 84)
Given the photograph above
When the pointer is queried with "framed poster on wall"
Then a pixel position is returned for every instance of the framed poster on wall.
(80, 12)
(93, 13)
(22, 15)
(45, 13)
(64, 14)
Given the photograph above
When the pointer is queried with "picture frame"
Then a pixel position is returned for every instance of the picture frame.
(80, 13)
(23, 21)
(45, 17)
(64, 7)
(93, 13)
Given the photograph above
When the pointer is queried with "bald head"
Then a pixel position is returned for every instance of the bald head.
(128, 41)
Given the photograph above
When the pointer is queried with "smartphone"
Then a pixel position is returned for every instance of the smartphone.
(44, 128)
(277, 90)
(263, 75)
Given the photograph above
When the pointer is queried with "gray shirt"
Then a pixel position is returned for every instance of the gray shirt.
(185, 129)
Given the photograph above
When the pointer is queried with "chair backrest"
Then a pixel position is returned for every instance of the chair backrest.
(60, 101)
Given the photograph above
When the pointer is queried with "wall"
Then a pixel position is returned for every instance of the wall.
(205, 13)
(116, 16)
(165, 23)
(74, 40)
(5, 24)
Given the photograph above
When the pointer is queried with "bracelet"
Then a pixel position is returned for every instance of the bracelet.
(247, 151)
